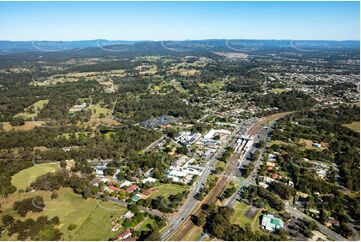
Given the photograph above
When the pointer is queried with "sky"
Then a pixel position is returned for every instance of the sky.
(179, 20)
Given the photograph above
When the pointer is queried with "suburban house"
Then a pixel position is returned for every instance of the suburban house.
(131, 188)
(123, 236)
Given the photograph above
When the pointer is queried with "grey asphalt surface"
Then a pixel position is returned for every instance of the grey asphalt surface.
(323, 229)
(190, 202)
(288, 208)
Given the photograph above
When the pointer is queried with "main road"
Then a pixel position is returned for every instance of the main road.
(323, 229)
(191, 202)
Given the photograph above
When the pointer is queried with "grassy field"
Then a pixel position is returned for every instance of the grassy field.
(144, 224)
(166, 190)
(37, 106)
(220, 164)
(278, 90)
(211, 85)
(77, 134)
(177, 85)
(355, 126)
(308, 144)
(24, 178)
(97, 226)
(91, 217)
(27, 126)
(277, 142)
(242, 217)
(193, 234)
(98, 110)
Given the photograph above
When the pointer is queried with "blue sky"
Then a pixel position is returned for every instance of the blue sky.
(179, 20)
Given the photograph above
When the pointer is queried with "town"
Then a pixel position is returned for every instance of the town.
(205, 144)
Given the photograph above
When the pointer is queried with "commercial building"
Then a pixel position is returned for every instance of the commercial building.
(271, 223)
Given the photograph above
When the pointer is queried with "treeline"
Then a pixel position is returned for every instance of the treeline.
(216, 222)
(165, 204)
(40, 229)
(148, 106)
(62, 178)
(259, 197)
(285, 101)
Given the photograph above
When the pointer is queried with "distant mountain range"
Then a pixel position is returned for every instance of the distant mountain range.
(8, 47)
(24, 46)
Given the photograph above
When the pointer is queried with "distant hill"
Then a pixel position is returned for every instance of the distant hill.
(25, 46)
(7, 47)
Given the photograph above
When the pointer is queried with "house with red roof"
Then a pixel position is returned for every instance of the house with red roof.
(131, 188)
(114, 189)
(123, 236)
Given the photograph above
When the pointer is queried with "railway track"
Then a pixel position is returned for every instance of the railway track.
(211, 197)
(223, 181)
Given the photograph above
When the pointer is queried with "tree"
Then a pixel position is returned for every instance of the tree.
(7, 220)
(54, 195)
(34, 204)
(72, 227)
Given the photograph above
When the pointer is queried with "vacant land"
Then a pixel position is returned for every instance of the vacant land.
(211, 85)
(308, 144)
(33, 110)
(277, 142)
(24, 178)
(193, 234)
(355, 126)
(103, 214)
(166, 190)
(278, 90)
(28, 125)
(100, 111)
(246, 214)
(91, 217)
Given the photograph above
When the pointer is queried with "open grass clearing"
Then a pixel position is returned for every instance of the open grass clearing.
(177, 85)
(78, 76)
(76, 135)
(28, 125)
(91, 217)
(97, 226)
(143, 226)
(220, 164)
(100, 110)
(355, 126)
(246, 214)
(193, 234)
(308, 144)
(24, 178)
(278, 90)
(33, 110)
(277, 142)
(211, 85)
(166, 190)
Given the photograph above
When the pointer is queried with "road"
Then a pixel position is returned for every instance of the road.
(323, 229)
(250, 180)
(288, 208)
(191, 202)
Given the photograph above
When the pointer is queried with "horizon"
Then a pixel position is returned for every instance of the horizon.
(179, 21)
(181, 40)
